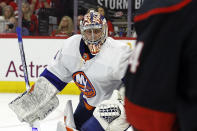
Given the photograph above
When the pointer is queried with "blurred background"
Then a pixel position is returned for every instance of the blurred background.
(45, 24)
(61, 18)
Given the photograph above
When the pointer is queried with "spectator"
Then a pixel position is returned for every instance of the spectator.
(3, 3)
(29, 20)
(11, 26)
(14, 5)
(101, 10)
(4, 20)
(65, 28)
(15, 8)
(79, 18)
(8, 12)
(6, 2)
(35, 5)
(161, 83)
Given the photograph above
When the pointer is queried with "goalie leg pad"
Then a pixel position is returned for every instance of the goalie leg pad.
(37, 102)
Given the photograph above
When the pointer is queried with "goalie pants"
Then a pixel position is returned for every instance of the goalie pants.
(84, 119)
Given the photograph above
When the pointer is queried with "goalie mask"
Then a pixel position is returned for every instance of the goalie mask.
(94, 31)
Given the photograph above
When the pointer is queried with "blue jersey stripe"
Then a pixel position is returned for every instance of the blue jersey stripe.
(54, 79)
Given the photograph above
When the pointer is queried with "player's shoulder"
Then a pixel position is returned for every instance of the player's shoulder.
(156, 7)
(113, 41)
(76, 36)
(116, 44)
(72, 41)
(71, 44)
(115, 49)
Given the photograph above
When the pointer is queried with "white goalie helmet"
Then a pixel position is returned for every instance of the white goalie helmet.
(94, 31)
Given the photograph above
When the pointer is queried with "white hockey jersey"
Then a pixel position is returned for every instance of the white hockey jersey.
(97, 77)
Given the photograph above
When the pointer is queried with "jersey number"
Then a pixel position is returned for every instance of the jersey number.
(134, 60)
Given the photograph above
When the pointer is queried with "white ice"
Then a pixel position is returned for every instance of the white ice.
(9, 121)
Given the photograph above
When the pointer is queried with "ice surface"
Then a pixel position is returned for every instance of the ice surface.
(9, 121)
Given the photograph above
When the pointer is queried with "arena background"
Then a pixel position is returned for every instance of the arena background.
(39, 52)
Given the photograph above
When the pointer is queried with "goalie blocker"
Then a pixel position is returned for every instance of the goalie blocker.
(37, 102)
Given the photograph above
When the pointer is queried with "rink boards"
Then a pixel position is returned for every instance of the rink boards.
(39, 53)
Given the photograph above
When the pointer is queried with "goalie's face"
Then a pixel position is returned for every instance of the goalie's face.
(94, 31)
(93, 36)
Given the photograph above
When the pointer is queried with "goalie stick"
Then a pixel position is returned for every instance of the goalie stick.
(22, 53)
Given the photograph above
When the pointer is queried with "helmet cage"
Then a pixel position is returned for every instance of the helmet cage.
(94, 20)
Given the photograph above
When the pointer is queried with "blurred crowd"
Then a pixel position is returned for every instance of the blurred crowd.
(30, 9)
(36, 19)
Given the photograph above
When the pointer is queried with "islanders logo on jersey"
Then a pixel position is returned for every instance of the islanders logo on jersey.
(84, 84)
